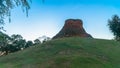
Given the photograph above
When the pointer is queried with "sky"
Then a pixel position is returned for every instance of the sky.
(49, 17)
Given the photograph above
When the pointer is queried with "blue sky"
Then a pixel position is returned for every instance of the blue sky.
(48, 18)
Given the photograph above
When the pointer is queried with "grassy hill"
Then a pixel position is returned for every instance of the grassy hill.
(66, 53)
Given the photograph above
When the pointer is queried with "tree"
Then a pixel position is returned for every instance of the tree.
(16, 37)
(28, 44)
(18, 41)
(13, 43)
(7, 5)
(20, 44)
(4, 41)
(114, 26)
(46, 39)
(37, 41)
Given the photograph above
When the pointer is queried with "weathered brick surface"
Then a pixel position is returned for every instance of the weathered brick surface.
(72, 27)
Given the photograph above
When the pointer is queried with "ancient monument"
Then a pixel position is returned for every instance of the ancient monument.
(72, 28)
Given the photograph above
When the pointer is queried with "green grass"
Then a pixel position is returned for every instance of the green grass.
(66, 53)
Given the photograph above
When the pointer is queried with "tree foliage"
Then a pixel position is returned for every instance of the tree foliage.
(12, 43)
(37, 41)
(7, 5)
(4, 40)
(16, 42)
(114, 26)
(28, 44)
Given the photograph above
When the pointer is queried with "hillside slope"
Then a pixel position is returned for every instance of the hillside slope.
(66, 53)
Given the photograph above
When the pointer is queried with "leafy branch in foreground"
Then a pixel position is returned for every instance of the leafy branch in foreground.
(7, 5)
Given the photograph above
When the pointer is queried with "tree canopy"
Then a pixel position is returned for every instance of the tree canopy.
(114, 26)
(15, 42)
(7, 5)
(12, 43)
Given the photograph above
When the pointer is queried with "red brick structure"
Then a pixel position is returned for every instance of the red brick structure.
(72, 27)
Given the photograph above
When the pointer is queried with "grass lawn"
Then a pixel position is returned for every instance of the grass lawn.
(71, 52)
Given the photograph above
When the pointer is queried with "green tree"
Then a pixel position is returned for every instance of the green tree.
(37, 41)
(16, 37)
(20, 44)
(12, 44)
(4, 41)
(114, 26)
(28, 44)
(7, 5)
(18, 41)
(46, 39)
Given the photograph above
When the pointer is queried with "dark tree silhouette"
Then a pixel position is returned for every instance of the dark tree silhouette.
(28, 44)
(4, 40)
(114, 26)
(12, 44)
(37, 41)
